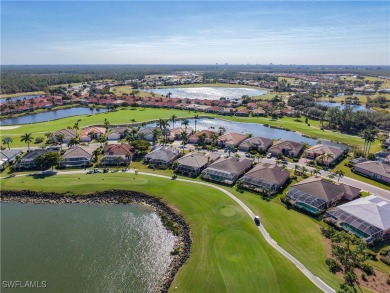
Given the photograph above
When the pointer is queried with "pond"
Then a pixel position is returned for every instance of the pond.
(84, 248)
(254, 129)
(342, 106)
(211, 93)
(47, 116)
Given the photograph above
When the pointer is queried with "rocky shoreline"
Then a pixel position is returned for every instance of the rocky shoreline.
(182, 246)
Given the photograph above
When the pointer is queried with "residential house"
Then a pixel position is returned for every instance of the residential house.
(258, 112)
(257, 143)
(68, 134)
(147, 132)
(78, 156)
(367, 217)
(117, 154)
(114, 135)
(175, 133)
(8, 156)
(123, 131)
(28, 160)
(162, 157)
(90, 133)
(324, 154)
(287, 148)
(243, 112)
(316, 194)
(195, 137)
(268, 178)
(227, 170)
(374, 170)
(194, 163)
(231, 139)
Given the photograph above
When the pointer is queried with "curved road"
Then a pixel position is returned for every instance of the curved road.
(317, 281)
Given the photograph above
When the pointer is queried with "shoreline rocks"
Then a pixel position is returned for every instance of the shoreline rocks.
(182, 246)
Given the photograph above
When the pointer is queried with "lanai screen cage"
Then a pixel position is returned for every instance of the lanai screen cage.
(218, 175)
(306, 201)
(354, 224)
(258, 183)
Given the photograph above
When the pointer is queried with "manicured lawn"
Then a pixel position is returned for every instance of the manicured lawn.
(228, 253)
(21, 94)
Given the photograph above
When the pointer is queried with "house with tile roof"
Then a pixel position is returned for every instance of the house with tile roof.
(231, 139)
(78, 156)
(28, 160)
(193, 164)
(324, 154)
(367, 217)
(195, 137)
(374, 170)
(257, 143)
(67, 133)
(316, 194)
(117, 154)
(265, 178)
(162, 157)
(287, 148)
(92, 132)
(227, 170)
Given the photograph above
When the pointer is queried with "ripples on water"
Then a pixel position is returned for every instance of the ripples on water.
(85, 248)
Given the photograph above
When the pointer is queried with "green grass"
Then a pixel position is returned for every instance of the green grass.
(21, 94)
(228, 253)
(349, 173)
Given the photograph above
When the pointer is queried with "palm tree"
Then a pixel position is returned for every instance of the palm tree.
(184, 139)
(222, 130)
(214, 138)
(7, 140)
(173, 119)
(106, 123)
(258, 157)
(369, 136)
(202, 139)
(73, 141)
(297, 168)
(230, 149)
(316, 172)
(185, 122)
(60, 139)
(340, 174)
(156, 135)
(27, 138)
(196, 117)
(304, 170)
(329, 157)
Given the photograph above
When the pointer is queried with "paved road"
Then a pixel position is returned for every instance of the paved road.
(317, 281)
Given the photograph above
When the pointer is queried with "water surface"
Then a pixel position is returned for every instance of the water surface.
(211, 93)
(48, 116)
(343, 106)
(84, 248)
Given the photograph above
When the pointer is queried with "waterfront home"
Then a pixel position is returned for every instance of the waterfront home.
(227, 170)
(8, 156)
(324, 154)
(316, 194)
(28, 160)
(78, 156)
(266, 178)
(243, 112)
(258, 112)
(90, 133)
(195, 137)
(231, 139)
(147, 133)
(367, 217)
(117, 154)
(68, 134)
(287, 148)
(114, 135)
(256, 143)
(176, 132)
(122, 131)
(374, 170)
(194, 163)
(162, 157)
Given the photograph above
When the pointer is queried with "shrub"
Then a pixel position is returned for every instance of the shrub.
(369, 270)
(388, 281)
(334, 267)
(364, 277)
(371, 254)
(39, 140)
(384, 251)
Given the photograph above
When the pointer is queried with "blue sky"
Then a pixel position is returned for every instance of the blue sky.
(185, 32)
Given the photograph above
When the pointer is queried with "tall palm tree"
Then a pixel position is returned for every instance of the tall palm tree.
(173, 119)
(7, 140)
(184, 139)
(60, 139)
(214, 138)
(156, 135)
(27, 138)
(196, 117)
(316, 172)
(340, 174)
(185, 122)
(329, 157)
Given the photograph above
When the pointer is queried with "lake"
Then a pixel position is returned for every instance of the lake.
(210, 93)
(342, 106)
(84, 248)
(253, 128)
(47, 116)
